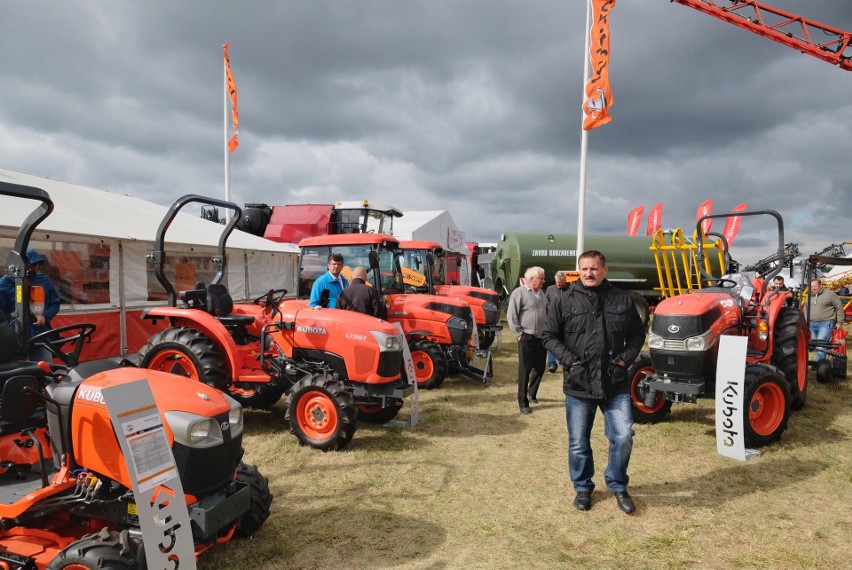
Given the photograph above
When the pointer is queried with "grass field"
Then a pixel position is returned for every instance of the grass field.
(477, 485)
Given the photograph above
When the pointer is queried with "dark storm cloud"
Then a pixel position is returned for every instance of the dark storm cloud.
(471, 106)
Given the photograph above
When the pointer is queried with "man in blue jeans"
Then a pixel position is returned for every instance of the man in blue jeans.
(595, 331)
(826, 313)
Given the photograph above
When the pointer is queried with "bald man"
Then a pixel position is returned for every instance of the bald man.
(361, 297)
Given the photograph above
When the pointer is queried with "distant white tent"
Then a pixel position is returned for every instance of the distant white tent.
(432, 225)
(98, 242)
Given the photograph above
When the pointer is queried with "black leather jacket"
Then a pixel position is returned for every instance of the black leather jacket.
(590, 331)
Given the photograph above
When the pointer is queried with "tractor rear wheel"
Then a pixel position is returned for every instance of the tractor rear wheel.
(643, 414)
(430, 364)
(105, 550)
(376, 414)
(261, 499)
(258, 395)
(766, 406)
(642, 308)
(790, 353)
(185, 352)
(321, 412)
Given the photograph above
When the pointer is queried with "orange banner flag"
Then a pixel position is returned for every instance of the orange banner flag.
(705, 209)
(732, 226)
(598, 91)
(634, 218)
(655, 219)
(232, 92)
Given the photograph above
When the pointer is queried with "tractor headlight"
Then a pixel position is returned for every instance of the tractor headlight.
(654, 340)
(762, 330)
(235, 417)
(699, 343)
(193, 430)
(457, 323)
(388, 342)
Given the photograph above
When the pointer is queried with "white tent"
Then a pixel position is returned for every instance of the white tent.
(437, 226)
(109, 235)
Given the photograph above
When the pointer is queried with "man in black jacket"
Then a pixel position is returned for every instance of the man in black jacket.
(361, 297)
(594, 331)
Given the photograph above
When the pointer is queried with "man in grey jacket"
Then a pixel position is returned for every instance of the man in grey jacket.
(526, 315)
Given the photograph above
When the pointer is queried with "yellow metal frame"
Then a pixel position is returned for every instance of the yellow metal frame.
(677, 261)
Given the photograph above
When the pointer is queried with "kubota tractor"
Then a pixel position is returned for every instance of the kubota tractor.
(66, 496)
(335, 366)
(438, 328)
(684, 341)
(426, 260)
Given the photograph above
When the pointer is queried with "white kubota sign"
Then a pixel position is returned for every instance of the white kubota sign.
(730, 386)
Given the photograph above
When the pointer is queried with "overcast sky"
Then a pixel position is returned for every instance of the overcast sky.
(472, 106)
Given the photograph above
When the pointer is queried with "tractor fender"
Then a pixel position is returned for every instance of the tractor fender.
(204, 323)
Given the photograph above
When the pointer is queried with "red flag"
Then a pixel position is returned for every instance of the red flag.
(232, 92)
(634, 218)
(598, 91)
(705, 209)
(655, 219)
(732, 226)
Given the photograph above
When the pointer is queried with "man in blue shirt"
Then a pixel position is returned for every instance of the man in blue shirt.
(41, 318)
(330, 284)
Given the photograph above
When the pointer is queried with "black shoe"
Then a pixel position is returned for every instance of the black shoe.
(625, 502)
(533, 400)
(583, 501)
(526, 410)
(552, 369)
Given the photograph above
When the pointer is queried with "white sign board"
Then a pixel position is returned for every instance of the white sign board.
(730, 388)
(162, 512)
(411, 373)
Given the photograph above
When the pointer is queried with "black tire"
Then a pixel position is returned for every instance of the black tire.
(321, 412)
(766, 406)
(643, 414)
(430, 364)
(375, 414)
(185, 352)
(790, 353)
(823, 371)
(261, 500)
(105, 550)
(642, 308)
(486, 339)
(258, 395)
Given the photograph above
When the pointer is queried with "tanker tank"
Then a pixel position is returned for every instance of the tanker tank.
(630, 260)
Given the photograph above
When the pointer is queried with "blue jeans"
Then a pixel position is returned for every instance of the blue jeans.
(821, 330)
(551, 361)
(618, 428)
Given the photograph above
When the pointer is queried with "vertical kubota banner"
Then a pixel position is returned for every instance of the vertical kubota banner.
(732, 226)
(705, 209)
(634, 218)
(598, 91)
(655, 219)
(232, 93)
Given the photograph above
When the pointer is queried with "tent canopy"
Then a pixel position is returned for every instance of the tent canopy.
(432, 225)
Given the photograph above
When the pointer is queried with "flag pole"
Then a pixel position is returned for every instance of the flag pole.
(584, 148)
(227, 152)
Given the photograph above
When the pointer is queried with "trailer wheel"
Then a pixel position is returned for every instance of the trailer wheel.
(823, 371)
(430, 364)
(766, 402)
(321, 412)
(185, 352)
(790, 353)
(643, 414)
(261, 500)
(258, 395)
(376, 414)
(105, 550)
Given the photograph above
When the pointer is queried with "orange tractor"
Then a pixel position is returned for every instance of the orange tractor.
(684, 343)
(334, 366)
(66, 493)
(438, 328)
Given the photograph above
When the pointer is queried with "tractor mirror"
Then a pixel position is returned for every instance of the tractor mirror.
(20, 398)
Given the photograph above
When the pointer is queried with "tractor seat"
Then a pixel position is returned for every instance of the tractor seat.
(195, 298)
(220, 304)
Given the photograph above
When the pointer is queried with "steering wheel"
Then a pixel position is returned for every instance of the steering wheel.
(725, 282)
(271, 300)
(53, 341)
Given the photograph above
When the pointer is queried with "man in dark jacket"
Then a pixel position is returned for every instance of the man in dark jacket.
(595, 333)
(361, 297)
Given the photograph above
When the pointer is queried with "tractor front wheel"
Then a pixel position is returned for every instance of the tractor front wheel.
(185, 352)
(486, 339)
(766, 406)
(430, 364)
(376, 414)
(643, 414)
(261, 499)
(321, 412)
(105, 550)
(258, 395)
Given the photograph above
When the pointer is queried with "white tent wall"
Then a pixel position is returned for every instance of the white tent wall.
(438, 226)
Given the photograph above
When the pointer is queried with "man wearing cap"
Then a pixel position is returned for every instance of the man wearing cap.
(330, 284)
(41, 318)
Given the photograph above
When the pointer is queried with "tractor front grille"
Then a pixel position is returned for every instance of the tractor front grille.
(390, 363)
(203, 470)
